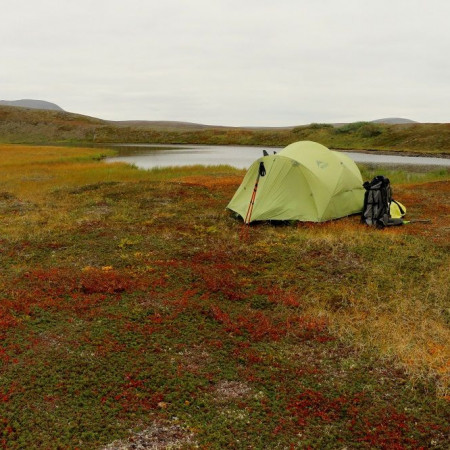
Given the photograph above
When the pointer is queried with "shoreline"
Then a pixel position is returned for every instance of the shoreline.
(372, 151)
(366, 150)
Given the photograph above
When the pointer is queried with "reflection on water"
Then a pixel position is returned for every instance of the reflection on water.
(149, 156)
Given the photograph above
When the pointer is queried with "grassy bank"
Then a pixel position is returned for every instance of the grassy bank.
(132, 303)
(18, 125)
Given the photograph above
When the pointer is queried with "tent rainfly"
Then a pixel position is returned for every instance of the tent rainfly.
(305, 181)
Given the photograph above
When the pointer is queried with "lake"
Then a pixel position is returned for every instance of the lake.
(149, 156)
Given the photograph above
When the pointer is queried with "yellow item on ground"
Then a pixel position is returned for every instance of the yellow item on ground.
(397, 210)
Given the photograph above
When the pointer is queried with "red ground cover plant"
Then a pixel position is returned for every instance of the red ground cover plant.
(7, 392)
(309, 328)
(7, 320)
(255, 324)
(388, 430)
(109, 345)
(68, 290)
(384, 428)
(243, 351)
(218, 273)
(9, 352)
(182, 300)
(313, 404)
(134, 395)
(220, 278)
(280, 296)
(60, 281)
(7, 432)
(258, 325)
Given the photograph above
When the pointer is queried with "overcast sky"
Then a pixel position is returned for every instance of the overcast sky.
(230, 62)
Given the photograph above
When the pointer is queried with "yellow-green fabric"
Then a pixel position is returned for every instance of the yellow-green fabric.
(305, 181)
(395, 211)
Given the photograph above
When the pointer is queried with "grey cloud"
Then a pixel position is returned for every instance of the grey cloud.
(230, 62)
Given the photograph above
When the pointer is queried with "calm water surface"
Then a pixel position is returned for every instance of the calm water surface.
(149, 156)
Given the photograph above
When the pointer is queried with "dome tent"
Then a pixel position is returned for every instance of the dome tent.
(305, 181)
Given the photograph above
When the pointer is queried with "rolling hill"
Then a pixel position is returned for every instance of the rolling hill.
(33, 126)
(33, 104)
(393, 121)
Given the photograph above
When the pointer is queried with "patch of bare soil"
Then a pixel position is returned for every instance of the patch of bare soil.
(158, 436)
(231, 390)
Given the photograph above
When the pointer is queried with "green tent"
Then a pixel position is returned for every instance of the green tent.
(305, 181)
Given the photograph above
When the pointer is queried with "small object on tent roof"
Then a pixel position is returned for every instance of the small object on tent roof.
(262, 169)
(265, 153)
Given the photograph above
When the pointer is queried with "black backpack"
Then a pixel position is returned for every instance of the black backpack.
(377, 200)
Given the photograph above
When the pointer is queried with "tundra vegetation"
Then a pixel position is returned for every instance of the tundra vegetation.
(20, 125)
(135, 309)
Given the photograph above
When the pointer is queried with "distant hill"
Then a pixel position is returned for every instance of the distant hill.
(162, 124)
(33, 104)
(184, 126)
(394, 121)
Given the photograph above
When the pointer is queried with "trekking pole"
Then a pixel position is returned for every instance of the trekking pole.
(252, 202)
(261, 173)
(417, 221)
